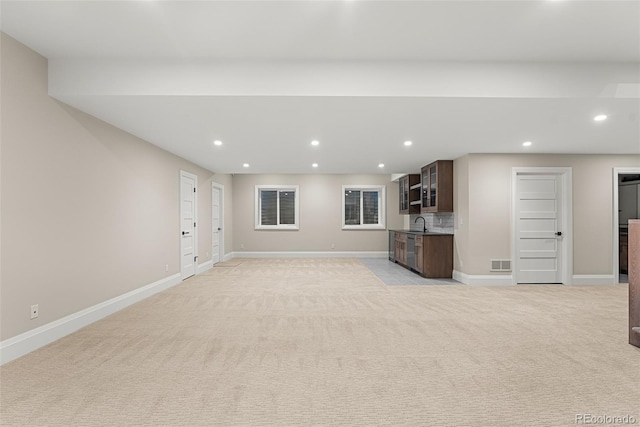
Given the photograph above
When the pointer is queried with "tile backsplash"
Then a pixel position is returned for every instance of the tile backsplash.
(441, 222)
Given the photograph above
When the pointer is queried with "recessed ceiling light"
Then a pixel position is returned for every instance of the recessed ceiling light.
(527, 144)
(315, 165)
(315, 142)
(245, 165)
(380, 165)
(408, 143)
(217, 142)
(600, 117)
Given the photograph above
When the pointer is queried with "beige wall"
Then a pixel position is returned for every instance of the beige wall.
(461, 212)
(320, 215)
(488, 185)
(89, 212)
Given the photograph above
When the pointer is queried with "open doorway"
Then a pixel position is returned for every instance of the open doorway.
(626, 206)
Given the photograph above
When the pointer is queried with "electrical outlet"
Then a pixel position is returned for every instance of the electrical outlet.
(206, 254)
(241, 245)
(333, 246)
(461, 263)
(166, 267)
(34, 311)
(440, 221)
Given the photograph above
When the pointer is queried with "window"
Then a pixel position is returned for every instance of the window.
(277, 207)
(363, 207)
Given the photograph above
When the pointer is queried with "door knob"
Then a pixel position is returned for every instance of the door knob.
(185, 232)
(558, 233)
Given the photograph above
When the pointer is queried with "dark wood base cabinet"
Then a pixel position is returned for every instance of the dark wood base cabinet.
(433, 254)
(437, 256)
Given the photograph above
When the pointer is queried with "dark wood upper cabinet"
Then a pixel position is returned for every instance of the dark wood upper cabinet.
(437, 187)
(409, 194)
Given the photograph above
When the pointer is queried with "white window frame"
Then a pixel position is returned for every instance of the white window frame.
(258, 207)
(382, 207)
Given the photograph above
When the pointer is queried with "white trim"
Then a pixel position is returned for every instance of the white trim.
(204, 267)
(595, 279)
(195, 218)
(15, 347)
(228, 257)
(219, 187)
(381, 225)
(483, 280)
(310, 254)
(503, 280)
(566, 182)
(293, 188)
(616, 219)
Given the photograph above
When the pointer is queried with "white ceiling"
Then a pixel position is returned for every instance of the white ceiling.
(267, 77)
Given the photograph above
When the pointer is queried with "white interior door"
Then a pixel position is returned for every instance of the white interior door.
(216, 226)
(538, 228)
(188, 239)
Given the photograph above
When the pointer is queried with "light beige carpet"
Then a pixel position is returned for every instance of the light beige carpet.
(232, 263)
(324, 342)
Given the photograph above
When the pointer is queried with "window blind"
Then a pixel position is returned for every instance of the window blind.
(287, 207)
(268, 207)
(352, 207)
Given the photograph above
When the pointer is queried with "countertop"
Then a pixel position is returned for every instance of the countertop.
(421, 233)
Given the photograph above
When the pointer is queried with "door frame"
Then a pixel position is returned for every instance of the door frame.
(565, 178)
(616, 218)
(189, 175)
(219, 187)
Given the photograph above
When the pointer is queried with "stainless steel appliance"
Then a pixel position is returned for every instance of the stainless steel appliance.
(411, 250)
(392, 246)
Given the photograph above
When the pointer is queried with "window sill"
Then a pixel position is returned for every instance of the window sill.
(278, 227)
(364, 227)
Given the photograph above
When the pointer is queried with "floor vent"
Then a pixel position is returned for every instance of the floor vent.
(500, 265)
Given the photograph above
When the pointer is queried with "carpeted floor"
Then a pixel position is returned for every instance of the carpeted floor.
(325, 342)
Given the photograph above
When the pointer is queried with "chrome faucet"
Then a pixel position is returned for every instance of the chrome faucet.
(424, 221)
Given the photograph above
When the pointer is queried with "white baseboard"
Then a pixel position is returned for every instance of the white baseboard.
(594, 279)
(228, 257)
(483, 280)
(503, 280)
(303, 254)
(204, 267)
(12, 348)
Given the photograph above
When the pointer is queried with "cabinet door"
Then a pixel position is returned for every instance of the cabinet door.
(400, 183)
(433, 185)
(425, 188)
(437, 187)
(403, 195)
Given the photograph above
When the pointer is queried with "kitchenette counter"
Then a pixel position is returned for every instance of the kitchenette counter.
(422, 233)
(429, 254)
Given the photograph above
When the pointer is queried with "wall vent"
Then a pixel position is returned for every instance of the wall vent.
(500, 265)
